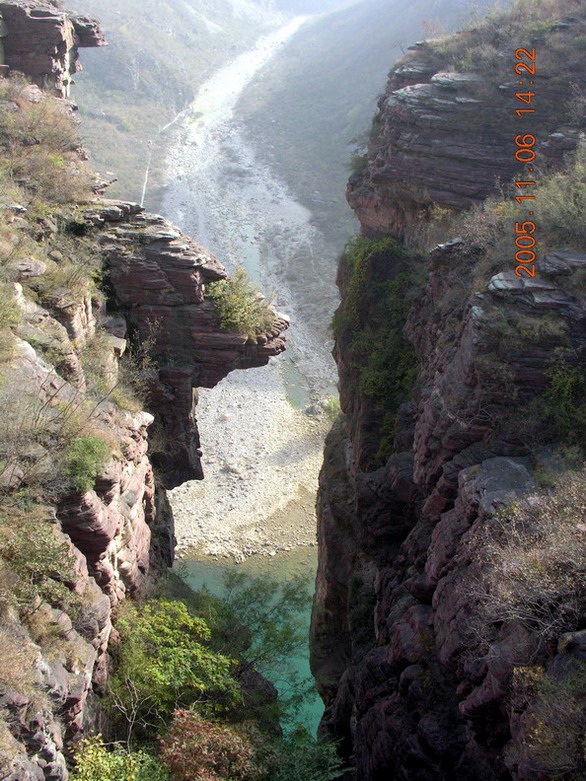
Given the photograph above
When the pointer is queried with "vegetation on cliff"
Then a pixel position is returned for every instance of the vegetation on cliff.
(239, 307)
(468, 530)
(185, 698)
(377, 277)
(77, 498)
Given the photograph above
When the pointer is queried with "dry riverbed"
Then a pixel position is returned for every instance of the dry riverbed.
(261, 459)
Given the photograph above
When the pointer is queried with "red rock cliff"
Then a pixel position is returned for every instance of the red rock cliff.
(426, 628)
(62, 346)
(41, 41)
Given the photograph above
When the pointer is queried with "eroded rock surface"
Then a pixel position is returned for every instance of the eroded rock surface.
(41, 41)
(419, 682)
(158, 276)
(445, 136)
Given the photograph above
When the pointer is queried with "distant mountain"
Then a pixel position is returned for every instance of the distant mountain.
(314, 103)
(159, 52)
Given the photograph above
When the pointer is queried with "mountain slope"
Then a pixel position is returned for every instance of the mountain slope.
(158, 54)
(313, 106)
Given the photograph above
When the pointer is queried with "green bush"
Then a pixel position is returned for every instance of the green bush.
(165, 661)
(94, 761)
(359, 256)
(260, 623)
(84, 458)
(556, 722)
(559, 412)
(238, 306)
(561, 204)
(268, 628)
(332, 406)
(301, 758)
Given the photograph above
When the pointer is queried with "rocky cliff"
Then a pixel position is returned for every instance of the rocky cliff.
(103, 311)
(449, 620)
(42, 41)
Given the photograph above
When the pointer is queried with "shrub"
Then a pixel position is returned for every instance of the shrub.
(238, 306)
(39, 146)
(332, 406)
(359, 257)
(300, 758)
(16, 661)
(534, 557)
(84, 458)
(261, 623)
(270, 630)
(94, 761)
(9, 317)
(164, 662)
(208, 751)
(212, 751)
(559, 412)
(554, 718)
(561, 203)
(370, 322)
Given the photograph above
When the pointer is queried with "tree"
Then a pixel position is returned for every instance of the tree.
(165, 662)
(269, 627)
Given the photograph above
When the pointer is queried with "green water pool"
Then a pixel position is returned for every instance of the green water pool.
(282, 566)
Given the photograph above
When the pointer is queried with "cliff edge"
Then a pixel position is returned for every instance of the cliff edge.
(449, 620)
(107, 326)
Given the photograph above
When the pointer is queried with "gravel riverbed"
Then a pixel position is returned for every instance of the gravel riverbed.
(261, 454)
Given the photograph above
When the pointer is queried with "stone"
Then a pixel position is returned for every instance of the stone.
(159, 283)
(28, 267)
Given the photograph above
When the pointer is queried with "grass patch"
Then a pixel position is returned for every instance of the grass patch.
(534, 557)
(33, 561)
(39, 146)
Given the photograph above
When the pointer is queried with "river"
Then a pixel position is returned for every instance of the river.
(262, 450)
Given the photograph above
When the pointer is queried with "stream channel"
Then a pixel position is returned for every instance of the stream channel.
(261, 430)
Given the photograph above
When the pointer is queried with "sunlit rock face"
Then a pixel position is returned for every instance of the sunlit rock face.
(444, 137)
(158, 276)
(41, 41)
(118, 531)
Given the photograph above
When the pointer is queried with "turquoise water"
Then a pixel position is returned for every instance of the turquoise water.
(300, 561)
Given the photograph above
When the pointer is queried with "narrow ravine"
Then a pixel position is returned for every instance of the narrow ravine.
(262, 451)
(262, 430)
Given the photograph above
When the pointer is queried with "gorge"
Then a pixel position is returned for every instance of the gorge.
(448, 620)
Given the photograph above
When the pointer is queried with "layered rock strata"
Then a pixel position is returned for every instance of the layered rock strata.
(420, 680)
(443, 135)
(158, 276)
(59, 388)
(409, 689)
(119, 527)
(41, 41)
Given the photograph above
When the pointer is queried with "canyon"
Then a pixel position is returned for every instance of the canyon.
(447, 634)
